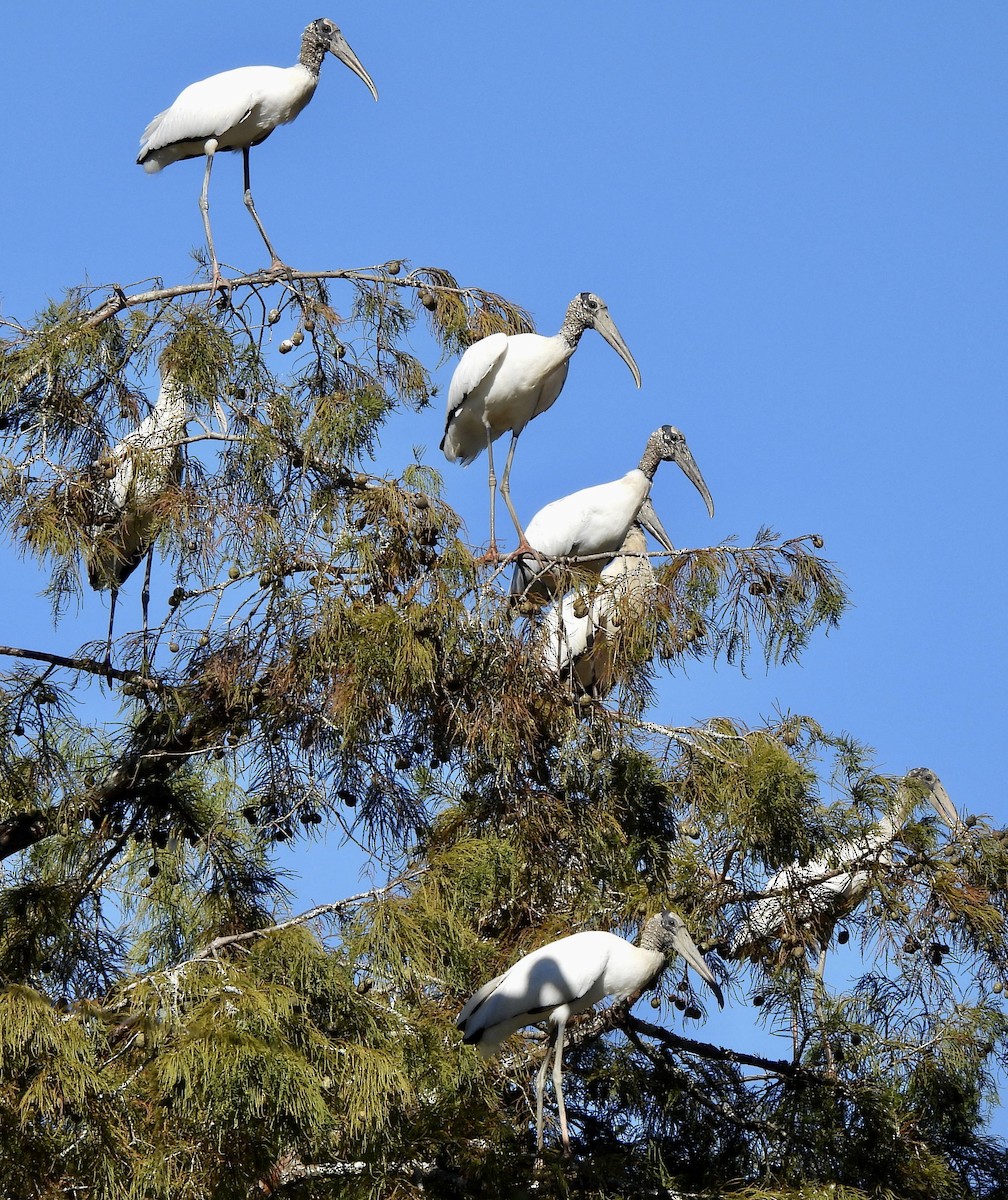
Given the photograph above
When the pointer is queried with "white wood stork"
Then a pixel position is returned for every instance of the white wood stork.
(502, 382)
(238, 109)
(567, 977)
(580, 634)
(127, 484)
(595, 520)
(816, 896)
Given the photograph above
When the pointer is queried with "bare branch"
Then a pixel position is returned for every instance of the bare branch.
(311, 914)
(119, 300)
(90, 666)
(675, 1041)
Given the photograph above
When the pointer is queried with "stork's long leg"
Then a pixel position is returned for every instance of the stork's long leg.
(541, 1085)
(275, 259)
(113, 596)
(818, 990)
(558, 1084)
(505, 491)
(144, 602)
(211, 149)
(492, 484)
(554, 1053)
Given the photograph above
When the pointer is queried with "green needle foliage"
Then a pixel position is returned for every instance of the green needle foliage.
(333, 663)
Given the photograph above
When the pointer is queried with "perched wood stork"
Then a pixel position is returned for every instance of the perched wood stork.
(567, 977)
(594, 521)
(127, 484)
(236, 110)
(502, 382)
(580, 634)
(816, 896)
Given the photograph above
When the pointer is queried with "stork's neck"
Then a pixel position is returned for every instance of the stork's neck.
(655, 945)
(634, 543)
(172, 407)
(572, 328)
(888, 825)
(650, 459)
(312, 52)
(902, 806)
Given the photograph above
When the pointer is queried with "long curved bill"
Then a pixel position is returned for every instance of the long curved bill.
(340, 47)
(605, 325)
(687, 464)
(648, 518)
(686, 947)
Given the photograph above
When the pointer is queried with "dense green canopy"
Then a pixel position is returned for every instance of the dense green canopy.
(334, 663)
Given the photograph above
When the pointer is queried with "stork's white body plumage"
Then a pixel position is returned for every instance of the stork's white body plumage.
(580, 634)
(144, 464)
(503, 381)
(564, 978)
(567, 977)
(126, 488)
(818, 894)
(238, 109)
(592, 523)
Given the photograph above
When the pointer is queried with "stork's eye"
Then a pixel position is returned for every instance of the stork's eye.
(592, 303)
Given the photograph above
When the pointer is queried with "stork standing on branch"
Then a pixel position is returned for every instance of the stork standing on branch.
(580, 633)
(567, 977)
(502, 382)
(128, 485)
(236, 110)
(819, 894)
(594, 521)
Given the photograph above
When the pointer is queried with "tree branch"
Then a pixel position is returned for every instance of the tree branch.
(675, 1041)
(713, 1103)
(619, 1016)
(23, 830)
(311, 914)
(290, 1169)
(118, 300)
(89, 665)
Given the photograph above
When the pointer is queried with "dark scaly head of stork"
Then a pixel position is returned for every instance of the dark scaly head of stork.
(323, 36)
(668, 444)
(931, 788)
(666, 933)
(588, 311)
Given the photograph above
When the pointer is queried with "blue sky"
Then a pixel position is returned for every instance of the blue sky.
(795, 211)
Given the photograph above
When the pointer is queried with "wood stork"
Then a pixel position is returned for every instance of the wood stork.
(594, 521)
(502, 382)
(127, 485)
(236, 110)
(567, 977)
(816, 896)
(580, 634)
